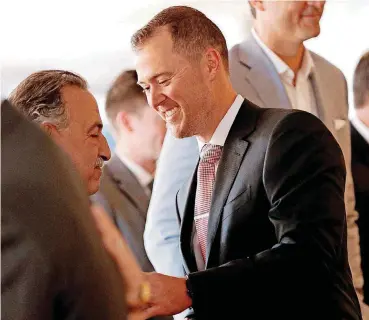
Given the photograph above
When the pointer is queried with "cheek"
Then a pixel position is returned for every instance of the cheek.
(91, 152)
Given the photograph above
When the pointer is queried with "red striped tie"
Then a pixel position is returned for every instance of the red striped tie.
(209, 157)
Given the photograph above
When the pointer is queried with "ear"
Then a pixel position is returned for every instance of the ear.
(258, 5)
(123, 121)
(49, 128)
(213, 62)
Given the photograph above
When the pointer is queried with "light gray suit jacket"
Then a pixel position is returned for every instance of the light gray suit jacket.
(253, 76)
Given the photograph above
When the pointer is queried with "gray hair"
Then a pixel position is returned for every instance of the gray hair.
(39, 96)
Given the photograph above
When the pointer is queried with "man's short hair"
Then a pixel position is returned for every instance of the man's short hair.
(361, 82)
(124, 95)
(252, 10)
(39, 96)
(192, 32)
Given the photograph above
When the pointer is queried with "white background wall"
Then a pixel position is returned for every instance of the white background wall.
(92, 37)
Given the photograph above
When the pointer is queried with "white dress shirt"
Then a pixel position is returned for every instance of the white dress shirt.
(219, 137)
(360, 127)
(221, 132)
(301, 93)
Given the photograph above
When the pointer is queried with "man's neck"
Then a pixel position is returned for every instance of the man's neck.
(123, 152)
(363, 115)
(290, 52)
(224, 97)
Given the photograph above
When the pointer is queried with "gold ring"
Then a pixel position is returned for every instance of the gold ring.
(145, 292)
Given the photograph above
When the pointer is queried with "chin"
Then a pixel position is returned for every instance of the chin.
(93, 187)
(180, 133)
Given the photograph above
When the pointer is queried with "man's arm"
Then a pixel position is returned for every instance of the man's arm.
(177, 161)
(304, 179)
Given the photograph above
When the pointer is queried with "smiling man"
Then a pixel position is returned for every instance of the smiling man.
(274, 69)
(262, 217)
(61, 104)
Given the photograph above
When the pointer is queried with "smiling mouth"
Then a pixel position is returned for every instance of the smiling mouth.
(168, 115)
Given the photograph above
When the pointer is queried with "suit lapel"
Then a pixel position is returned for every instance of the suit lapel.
(322, 104)
(128, 184)
(234, 151)
(186, 205)
(263, 76)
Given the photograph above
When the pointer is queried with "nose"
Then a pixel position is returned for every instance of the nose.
(104, 151)
(155, 97)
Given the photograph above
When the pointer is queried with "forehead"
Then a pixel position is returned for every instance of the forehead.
(157, 56)
(81, 105)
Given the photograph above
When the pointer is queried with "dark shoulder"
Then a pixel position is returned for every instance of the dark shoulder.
(280, 119)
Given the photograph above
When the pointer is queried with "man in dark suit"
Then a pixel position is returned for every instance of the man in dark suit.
(126, 182)
(53, 265)
(273, 69)
(263, 229)
(360, 160)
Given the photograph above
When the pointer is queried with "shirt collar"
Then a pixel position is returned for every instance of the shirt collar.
(143, 177)
(221, 132)
(360, 127)
(282, 68)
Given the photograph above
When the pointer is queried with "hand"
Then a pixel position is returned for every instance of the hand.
(168, 295)
(163, 295)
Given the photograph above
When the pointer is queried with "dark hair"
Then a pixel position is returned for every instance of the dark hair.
(253, 10)
(361, 82)
(39, 96)
(192, 32)
(124, 94)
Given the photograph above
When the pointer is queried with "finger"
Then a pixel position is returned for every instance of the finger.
(150, 312)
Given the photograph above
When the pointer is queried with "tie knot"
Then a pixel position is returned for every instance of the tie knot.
(211, 153)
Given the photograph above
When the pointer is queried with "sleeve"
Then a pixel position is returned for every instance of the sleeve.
(177, 161)
(304, 179)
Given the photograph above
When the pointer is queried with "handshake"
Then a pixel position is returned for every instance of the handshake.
(147, 294)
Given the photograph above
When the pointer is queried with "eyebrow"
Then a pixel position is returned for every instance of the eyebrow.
(157, 75)
(98, 125)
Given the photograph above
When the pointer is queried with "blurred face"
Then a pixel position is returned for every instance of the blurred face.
(175, 87)
(82, 138)
(292, 20)
(148, 132)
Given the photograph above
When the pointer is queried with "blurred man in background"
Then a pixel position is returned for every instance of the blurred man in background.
(360, 160)
(127, 179)
(273, 69)
(61, 104)
(53, 264)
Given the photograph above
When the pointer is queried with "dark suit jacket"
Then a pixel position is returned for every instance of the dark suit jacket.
(277, 225)
(53, 263)
(360, 172)
(125, 200)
